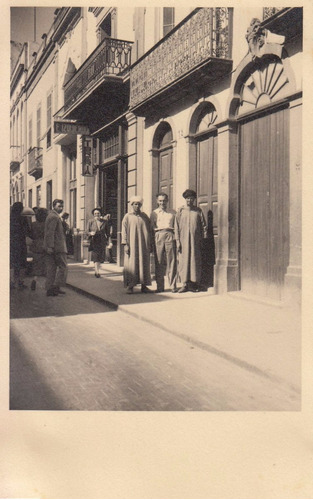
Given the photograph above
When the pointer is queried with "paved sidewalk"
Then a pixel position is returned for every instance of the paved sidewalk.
(260, 337)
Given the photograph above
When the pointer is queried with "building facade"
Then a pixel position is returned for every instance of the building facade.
(140, 100)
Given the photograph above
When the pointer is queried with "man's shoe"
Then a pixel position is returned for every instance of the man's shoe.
(183, 289)
(129, 290)
(174, 290)
(158, 290)
(145, 289)
(59, 291)
(52, 293)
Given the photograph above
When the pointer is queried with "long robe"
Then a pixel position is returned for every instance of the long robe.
(190, 230)
(136, 233)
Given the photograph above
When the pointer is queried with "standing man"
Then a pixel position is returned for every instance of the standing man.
(164, 244)
(136, 238)
(55, 247)
(190, 231)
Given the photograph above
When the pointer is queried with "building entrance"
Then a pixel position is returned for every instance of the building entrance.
(108, 187)
(264, 203)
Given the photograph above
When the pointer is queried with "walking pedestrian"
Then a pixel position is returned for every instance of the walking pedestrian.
(55, 247)
(164, 243)
(98, 233)
(136, 238)
(19, 229)
(37, 246)
(190, 231)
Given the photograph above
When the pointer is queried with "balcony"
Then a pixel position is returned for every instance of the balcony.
(35, 162)
(286, 21)
(15, 158)
(197, 52)
(99, 80)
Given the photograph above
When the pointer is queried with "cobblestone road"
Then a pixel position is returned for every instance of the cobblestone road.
(72, 353)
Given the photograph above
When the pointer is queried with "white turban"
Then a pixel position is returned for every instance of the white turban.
(135, 199)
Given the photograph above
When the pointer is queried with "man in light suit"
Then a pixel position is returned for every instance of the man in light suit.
(56, 250)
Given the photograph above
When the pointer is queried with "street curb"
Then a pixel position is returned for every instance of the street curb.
(197, 343)
(92, 296)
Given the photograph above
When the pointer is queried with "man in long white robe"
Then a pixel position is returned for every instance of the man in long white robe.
(190, 231)
(136, 236)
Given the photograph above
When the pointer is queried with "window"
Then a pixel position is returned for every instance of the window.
(72, 167)
(49, 195)
(49, 138)
(168, 19)
(38, 126)
(49, 117)
(73, 205)
(30, 133)
(106, 28)
(30, 198)
(38, 196)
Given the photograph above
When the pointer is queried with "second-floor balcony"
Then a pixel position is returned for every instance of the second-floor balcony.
(15, 157)
(196, 52)
(102, 72)
(35, 162)
(286, 21)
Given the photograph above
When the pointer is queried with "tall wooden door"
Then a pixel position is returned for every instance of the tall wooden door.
(108, 186)
(207, 177)
(166, 174)
(264, 203)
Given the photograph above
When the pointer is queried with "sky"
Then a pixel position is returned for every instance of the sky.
(22, 23)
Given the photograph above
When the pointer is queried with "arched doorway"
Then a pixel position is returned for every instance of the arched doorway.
(162, 167)
(263, 142)
(203, 178)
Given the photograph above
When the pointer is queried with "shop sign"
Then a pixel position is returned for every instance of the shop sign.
(87, 166)
(68, 127)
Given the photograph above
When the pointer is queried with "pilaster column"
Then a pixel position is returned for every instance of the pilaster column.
(132, 155)
(292, 293)
(222, 250)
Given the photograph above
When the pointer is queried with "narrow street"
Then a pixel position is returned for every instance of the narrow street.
(73, 353)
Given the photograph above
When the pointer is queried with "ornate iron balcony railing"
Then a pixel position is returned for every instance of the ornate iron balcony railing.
(34, 159)
(203, 35)
(270, 11)
(111, 57)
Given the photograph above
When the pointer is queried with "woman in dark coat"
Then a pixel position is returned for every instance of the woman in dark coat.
(37, 248)
(68, 234)
(19, 229)
(98, 233)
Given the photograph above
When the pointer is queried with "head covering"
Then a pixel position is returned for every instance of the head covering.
(189, 193)
(135, 199)
(28, 211)
(65, 215)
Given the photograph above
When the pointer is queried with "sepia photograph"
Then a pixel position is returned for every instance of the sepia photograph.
(156, 333)
(155, 208)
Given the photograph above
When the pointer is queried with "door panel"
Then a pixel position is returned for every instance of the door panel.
(207, 177)
(166, 174)
(264, 207)
(108, 183)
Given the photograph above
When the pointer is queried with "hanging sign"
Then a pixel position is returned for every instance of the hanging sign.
(70, 127)
(87, 166)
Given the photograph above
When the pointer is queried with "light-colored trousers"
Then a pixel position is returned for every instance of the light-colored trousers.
(165, 258)
(56, 270)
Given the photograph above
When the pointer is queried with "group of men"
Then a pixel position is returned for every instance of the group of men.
(175, 238)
